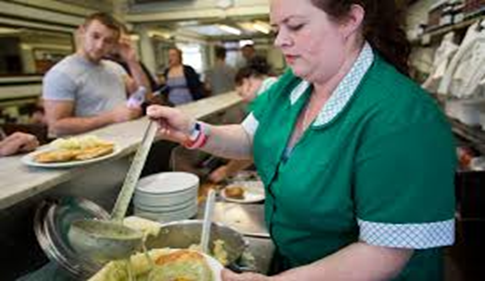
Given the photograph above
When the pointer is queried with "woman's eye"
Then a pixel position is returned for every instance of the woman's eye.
(295, 27)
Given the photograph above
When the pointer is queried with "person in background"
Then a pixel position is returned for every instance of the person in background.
(248, 52)
(357, 160)
(251, 81)
(115, 56)
(220, 78)
(84, 91)
(182, 82)
(16, 143)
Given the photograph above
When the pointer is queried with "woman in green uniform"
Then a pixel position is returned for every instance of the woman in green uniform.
(357, 161)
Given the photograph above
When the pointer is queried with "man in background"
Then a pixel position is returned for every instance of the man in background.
(220, 78)
(248, 52)
(83, 91)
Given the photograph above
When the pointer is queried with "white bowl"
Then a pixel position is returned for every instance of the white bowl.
(183, 214)
(170, 208)
(165, 200)
(167, 182)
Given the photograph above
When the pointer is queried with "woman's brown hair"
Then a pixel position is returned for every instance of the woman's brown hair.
(382, 27)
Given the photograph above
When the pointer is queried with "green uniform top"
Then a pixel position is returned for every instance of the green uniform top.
(376, 165)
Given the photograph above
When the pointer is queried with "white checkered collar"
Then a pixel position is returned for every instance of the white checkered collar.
(344, 90)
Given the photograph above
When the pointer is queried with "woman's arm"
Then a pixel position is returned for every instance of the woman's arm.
(229, 141)
(356, 262)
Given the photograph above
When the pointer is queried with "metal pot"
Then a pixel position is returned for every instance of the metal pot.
(183, 234)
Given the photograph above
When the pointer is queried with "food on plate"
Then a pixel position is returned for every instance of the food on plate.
(235, 192)
(219, 252)
(181, 265)
(55, 156)
(75, 149)
(94, 152)
(81, 142)
(170, 265)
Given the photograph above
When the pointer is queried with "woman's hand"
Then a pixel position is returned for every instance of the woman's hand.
(18, 142)
(174, 125)
(228, 275)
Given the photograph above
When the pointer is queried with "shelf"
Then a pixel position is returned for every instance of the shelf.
(442, 30)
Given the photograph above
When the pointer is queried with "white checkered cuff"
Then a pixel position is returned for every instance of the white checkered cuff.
(408, 235)
(250, 124)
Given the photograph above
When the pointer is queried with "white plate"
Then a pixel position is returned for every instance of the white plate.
(29, 160)
(168, 182)
(253, 192)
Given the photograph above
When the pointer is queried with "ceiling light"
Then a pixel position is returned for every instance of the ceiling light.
(154, 33)
(134, 37)
(230, 29)
(262, 27)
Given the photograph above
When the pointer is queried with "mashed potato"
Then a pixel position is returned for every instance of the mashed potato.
(79, 143)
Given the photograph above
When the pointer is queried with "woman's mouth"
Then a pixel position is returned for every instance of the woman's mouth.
(290, 58)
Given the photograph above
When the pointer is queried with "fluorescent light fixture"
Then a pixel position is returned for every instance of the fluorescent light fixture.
(230, 29)
(262, 27)
(154, 33)
(134, 37)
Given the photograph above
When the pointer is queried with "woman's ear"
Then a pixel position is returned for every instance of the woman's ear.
(353, 21)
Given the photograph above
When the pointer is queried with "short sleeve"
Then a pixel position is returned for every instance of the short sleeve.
(257, 107)
(259, 104)
(58, 86)
(117, 68)
(404, 187)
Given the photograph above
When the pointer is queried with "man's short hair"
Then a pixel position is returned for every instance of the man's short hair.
(106, 19)
(248, 46)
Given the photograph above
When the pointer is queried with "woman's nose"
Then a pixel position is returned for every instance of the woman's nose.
(282, 39)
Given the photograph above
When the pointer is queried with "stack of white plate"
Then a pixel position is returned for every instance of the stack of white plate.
(168, 196)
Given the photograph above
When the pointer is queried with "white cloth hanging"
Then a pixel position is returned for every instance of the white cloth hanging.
(465, 71)
(442, 58)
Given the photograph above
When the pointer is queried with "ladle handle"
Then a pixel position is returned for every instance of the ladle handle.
(206, 226)
(134, 172)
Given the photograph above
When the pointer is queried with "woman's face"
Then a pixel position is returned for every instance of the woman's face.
(173, 57)
(313, 45)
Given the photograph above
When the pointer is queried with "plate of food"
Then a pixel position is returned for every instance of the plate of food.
(244, 192)
(71, 152)
(168, 264)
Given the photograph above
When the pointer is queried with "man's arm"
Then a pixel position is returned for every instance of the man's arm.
(59, 115)
(18, 142)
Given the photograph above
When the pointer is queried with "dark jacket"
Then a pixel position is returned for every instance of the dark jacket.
(193, 82)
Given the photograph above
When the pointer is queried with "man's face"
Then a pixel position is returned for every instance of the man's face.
(98, 40)
(247, 52)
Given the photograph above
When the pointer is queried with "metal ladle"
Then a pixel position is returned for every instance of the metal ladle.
(110, 239)
(207, 223)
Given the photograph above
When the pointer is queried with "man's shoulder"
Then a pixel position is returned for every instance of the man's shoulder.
(69, 66)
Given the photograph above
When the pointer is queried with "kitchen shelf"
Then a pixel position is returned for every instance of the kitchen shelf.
(442, 30)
